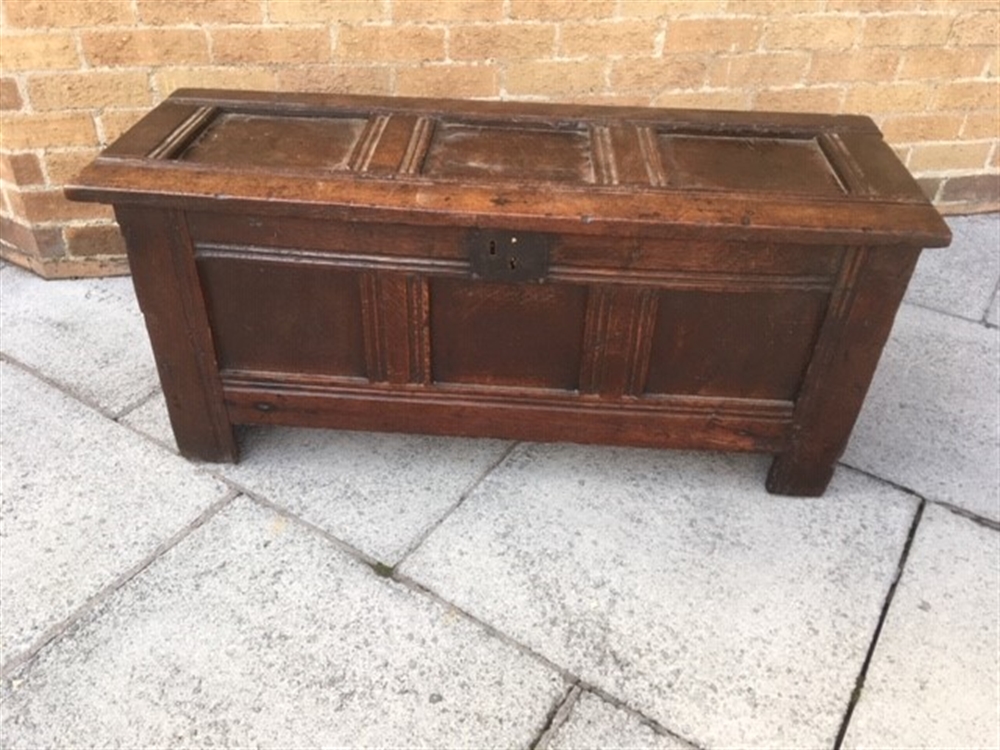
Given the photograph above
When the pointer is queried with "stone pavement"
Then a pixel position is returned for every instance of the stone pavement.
(361, 590)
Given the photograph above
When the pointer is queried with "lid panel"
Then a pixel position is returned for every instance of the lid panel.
(609, 171)
(472, 151)
(322, 143)
(786, 165)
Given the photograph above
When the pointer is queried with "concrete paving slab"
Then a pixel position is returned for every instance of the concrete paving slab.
(87, 335)
(83, 501)
(993, 314)
(934, 680)
(960, 279)
(930, 421)
(376, 491)
(595, 723)
(675, 582)
(150, 418)
(254, 632)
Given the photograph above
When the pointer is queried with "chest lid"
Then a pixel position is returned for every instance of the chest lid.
(559, 168)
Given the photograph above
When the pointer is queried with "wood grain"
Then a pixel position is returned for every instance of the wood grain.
(709, 280)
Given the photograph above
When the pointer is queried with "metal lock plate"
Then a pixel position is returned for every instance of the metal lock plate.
(501, 255)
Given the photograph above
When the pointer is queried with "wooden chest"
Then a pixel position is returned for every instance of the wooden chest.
(667, 278)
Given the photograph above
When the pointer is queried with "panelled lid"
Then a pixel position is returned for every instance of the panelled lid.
(583, 169)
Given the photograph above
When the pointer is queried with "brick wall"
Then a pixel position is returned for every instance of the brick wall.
(76, 73)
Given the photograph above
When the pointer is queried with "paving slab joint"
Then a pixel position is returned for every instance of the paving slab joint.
(863, 673)
(968, 515)
(653, 724)
(131, 407)
(953, 315)
(55, 632)
(989, 307)
(989, 523)
(419, 588)
(413, 547)
(393, 573)
(558, 715)
(340, 544)
(61, 387)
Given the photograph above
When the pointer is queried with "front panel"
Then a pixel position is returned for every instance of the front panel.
(497, 334)
(741, 344)
(279, 317)
(730, 341)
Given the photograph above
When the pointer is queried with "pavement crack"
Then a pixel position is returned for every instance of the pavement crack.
(883, 615)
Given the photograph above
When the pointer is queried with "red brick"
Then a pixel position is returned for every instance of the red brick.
(448, 80)
(713, 35)
(91, 89)
(24, 170)
(326, 11)
(510, 41)
(938, 63)
(980, 188)
(23, 132)
(10, 96)
(271, 45)
(145, 47)
(756, 69)
(390, 43)
(177, 12)
(711, 99)
(799, 100)
(655, 75)
(38, 243)
(561, 10)
(447, 11)
(236, 77)
(49, 14)
(49, 51)
(975, 28)
(48, 206)
(857, 65)
(608, 38)
(832, 32)
(945, 157)
(103, 239)
(906, 30)
(63, 165)
(555, 78)
(344, 79)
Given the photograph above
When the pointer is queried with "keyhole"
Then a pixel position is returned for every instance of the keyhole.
(512, 262)
(493, 247)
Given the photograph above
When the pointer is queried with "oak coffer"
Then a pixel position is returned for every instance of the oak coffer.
(648, 277)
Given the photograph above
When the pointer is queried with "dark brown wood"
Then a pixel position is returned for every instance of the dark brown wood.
(166, 285)
(749, 344)
(515, 413)
(664, 278)
(276, 316)
(869, 289)
(507, 334)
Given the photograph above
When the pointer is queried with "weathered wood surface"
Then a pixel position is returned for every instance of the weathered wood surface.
(666, 278)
